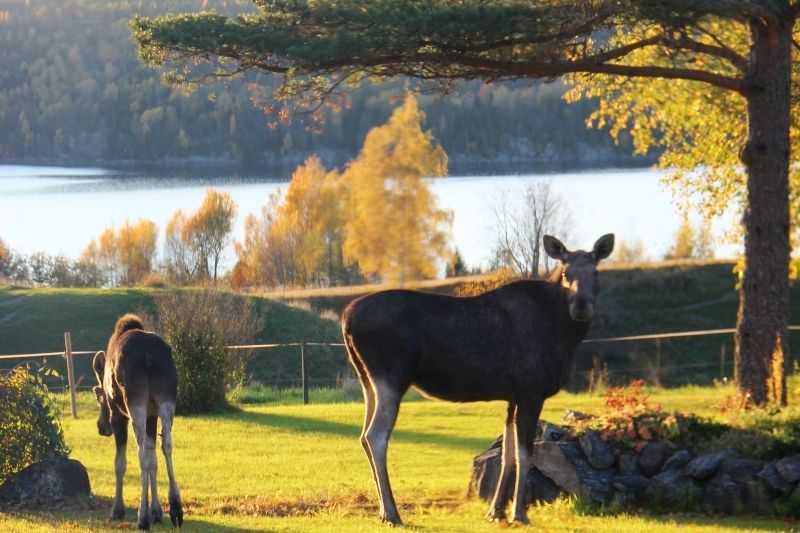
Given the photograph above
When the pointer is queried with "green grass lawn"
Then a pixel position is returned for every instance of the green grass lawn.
(282, 466)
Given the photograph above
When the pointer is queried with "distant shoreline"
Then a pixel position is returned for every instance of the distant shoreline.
(282, 170)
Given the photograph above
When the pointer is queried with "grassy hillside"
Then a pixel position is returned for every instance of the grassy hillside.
(298, 468)
(653, 298)
(34, 320)
(667, 297)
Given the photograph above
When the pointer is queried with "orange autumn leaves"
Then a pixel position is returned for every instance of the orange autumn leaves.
(376, 219)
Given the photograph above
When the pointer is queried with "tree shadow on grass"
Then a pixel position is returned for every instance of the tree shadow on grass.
(300, 424)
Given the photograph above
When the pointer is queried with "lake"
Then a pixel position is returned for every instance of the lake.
(59, 210)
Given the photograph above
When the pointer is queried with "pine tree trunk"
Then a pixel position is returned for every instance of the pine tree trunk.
(761, 338)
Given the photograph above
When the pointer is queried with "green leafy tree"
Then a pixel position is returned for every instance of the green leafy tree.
(725, 51)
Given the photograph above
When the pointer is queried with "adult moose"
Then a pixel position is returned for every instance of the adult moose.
(138, 382)
(514, 343)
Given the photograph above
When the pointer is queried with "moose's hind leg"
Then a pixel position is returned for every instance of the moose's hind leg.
(387, 405)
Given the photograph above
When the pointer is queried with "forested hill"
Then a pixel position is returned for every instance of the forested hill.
(72, 91)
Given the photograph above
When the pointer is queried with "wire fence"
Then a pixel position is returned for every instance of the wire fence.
(305, 381)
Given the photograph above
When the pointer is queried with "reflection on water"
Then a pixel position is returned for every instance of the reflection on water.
(59, 210)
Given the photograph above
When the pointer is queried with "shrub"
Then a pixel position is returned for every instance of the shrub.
(199, 325)
(30, 428)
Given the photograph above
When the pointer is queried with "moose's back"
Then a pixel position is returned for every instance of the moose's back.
(487, 347)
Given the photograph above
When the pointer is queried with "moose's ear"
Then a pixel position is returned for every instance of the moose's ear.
(603, 247)
(99, 364)
(554, 248)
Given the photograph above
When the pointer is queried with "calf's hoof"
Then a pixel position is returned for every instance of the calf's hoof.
(143, 523)
(156, 514)
(176, 513)
(118, 512)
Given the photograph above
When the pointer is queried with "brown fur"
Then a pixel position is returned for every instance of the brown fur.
(137, 381)
(514, 343)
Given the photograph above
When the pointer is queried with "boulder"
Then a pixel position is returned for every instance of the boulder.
(789, 468)
(677, 460)
(653, 457)
(771, 479)
(628, 464)
(671, 488)
(704, 466)
(742, 470)
(49, 481)
(551, 432)
(632, 484)
(722, 494)
(599, 453)
(567, 466)
(486, 472)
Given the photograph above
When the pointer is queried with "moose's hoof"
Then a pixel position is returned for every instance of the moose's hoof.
(496, 515)
(521, 520)
(143, 523)
(392, 520)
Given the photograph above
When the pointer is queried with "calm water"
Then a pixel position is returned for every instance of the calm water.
(59, 210)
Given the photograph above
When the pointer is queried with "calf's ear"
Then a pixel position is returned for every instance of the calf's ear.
(603, 247)
(554, 248)
(99, 364)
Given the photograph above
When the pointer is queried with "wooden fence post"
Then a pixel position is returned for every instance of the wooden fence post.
(70, 373)
(303, 372)
(722, 362)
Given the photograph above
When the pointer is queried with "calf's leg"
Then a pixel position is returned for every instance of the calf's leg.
(119, 426)
(156, 513)
(527, 417)
(387, 404)
(139, 420)
(497, 509)
(167, 414)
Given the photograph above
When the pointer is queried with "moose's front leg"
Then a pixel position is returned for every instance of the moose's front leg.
(497, 509)
(527, 417)
(119, 426)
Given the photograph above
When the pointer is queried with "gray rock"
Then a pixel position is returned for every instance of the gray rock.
(704, 466)
(632, 484)
(567, 466)
(772, 480)
(599, 453)
(485, 472)
(628, 464)
(653, 457)
(742, 470)
(540, 487)
(723, 494)
(52, 480)
(677, 460)
(551, 432)
(673, 489)
(789, 468)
